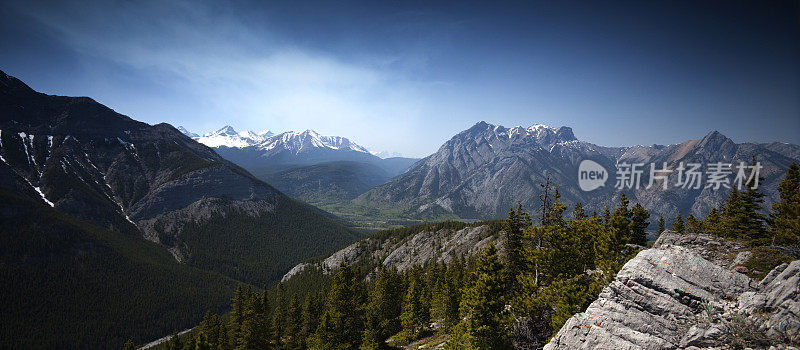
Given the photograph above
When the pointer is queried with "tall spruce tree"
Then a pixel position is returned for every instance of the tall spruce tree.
(416, 314)
(513, 227)
(786, 213)
(693, 225)
(639, 224)
(661, 225)
(482, 306)
(678, 226)
(341, 326)
(712, 224)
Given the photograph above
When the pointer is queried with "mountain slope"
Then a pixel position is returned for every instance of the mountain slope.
(328, 182)
(67, 283)
(134, 181)
(484, 170)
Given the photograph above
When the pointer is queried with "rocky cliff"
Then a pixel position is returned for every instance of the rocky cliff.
(686, 292)
(403, 252)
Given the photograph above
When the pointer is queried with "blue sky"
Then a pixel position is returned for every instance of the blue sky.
(404, 76)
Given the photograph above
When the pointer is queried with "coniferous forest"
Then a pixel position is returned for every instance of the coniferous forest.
(520, 293)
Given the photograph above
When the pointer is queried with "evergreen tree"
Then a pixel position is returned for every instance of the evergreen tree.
(693, 225)
(447, 298)
(174, 342)
(677, 226)
(382, 318)
(341, 326)
(237, 316)
(513, 227)
(712, 224)
(312, 312)
(578, 213)
(278, 315)
(255, 326)
(639, 224)
(129, 345)
(555, 213)
(786, 213)
(661, 226)
(482, 306)
(734, 216)
(294, 323)
(416, 315)
(754, 220)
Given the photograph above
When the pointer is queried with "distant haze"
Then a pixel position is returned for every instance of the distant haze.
(404, 77)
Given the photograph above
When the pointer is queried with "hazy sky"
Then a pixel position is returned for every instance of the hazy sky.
(405, 76)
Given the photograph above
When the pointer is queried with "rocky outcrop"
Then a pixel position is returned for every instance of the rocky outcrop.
(417, 249)
(683, 294)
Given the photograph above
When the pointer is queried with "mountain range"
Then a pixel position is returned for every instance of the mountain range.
(305, 165)
(124, 224)
(483, 171)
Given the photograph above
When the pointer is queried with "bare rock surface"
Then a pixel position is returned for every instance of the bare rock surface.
(442, 245)
(683, 293)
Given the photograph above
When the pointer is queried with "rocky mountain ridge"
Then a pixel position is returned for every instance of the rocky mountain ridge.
(484, 170)
(686, 292)
(434, 244)
(89, 162)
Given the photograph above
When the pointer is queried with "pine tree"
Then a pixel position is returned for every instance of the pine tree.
(693, 225)
(786, 213)
(129, 345)
(447, 298)
(555, 213)
(712, 224)
(236, 316)
(416, 315)
(733, 216)
(174, 342)
(661, 226)
(255, 326)
(294, 316)
(578, 213)
(639, 224)
(482, 306)
(278, 315)
(341, 326)
(677, 226)
(513, 227)
(752, 201)
(382, 318)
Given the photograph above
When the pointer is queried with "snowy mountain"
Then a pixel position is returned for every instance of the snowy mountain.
(187, 132)
(306, 141)
(228, 137)
(99, 206)
(264, 150)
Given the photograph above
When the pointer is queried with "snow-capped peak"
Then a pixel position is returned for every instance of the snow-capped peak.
(226, 130)
(227, 136)
(187, 132)
(308, 139)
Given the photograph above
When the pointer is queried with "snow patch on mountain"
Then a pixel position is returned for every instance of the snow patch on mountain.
(298, 142)
(229, 137)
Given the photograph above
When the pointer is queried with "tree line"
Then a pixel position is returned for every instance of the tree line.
(519, 292)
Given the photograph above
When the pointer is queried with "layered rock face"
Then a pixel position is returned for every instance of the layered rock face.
(417, 249)
(685, 293)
